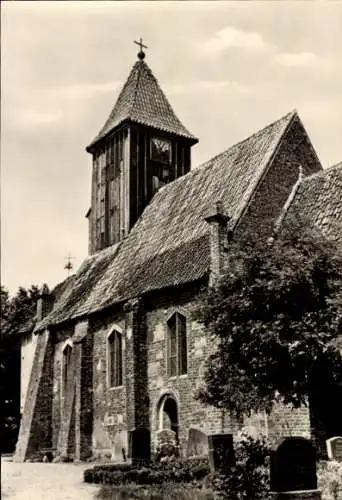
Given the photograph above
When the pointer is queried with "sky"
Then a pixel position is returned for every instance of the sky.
(228, 69)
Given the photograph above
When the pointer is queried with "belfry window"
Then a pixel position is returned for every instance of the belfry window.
(177, 345)
(114, 359)
(160, 150)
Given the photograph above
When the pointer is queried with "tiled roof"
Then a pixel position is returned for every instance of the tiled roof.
(169, 244)
(318, 199)
(78, 289)
(142, 101)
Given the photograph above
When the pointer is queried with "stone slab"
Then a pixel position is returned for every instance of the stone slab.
(334, 448)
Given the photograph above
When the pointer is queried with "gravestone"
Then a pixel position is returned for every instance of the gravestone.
(334, 448)
(221, 452)
(140, 446)
(119, 443)
(166, 436)
(293, 469)
(197, 443)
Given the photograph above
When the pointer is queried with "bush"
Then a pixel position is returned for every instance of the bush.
(329, 476)
(178, 471)
(162, 492)
(249, 478)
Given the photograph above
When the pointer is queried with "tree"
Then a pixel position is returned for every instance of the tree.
(16, 312)
(274, 315)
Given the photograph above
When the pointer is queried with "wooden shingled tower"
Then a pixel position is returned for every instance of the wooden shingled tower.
(141, 147)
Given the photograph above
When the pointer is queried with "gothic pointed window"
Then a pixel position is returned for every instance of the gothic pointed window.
(114, 359)
(177, 345)
(66, 367)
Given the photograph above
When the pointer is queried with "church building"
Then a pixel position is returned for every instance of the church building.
(117, 347)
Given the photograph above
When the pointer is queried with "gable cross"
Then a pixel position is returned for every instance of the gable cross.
(69, 265)
(141, 53)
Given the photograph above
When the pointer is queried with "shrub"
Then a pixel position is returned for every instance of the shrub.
(178, 471)
(249, 478)
(156, 492)
(329, 476)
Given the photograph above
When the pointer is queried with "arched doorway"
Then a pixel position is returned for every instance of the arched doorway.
(168, 414)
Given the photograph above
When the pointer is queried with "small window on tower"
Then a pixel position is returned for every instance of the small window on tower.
(160, 150)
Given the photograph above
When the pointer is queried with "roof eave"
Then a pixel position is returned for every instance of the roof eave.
(128, 121)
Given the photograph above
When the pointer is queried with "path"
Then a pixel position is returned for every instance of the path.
(39, 481)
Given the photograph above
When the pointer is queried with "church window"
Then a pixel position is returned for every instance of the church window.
(177, 345)
(66, 366)
(160, 150)
(114, 359)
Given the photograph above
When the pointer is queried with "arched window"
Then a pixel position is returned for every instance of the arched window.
(177, 345)
(66, 365)
(114, 359)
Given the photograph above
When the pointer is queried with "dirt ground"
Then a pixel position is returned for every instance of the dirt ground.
(38, 481)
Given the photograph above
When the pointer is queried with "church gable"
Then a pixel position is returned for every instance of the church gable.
(317, 200)
(293, 156)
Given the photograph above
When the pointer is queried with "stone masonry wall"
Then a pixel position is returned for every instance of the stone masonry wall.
(35, 428)
(109, 403)
(274, 189)
(59, 343)
(28, 347)
(56, 403)
(83, 391)
(191, 413)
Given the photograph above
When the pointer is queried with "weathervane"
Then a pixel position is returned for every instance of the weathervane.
(141, 53)
(69, 265)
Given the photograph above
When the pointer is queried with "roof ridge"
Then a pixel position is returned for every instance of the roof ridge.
(287, 116)
(322, 172)
(211, 161)
(140, 64)
(289, 201)
(336, 165)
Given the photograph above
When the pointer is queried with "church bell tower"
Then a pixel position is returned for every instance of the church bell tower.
(141, 147)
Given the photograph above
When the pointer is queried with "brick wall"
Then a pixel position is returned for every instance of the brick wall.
(283, 421)
(137, 398)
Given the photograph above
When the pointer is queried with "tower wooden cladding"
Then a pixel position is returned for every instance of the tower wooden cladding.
(141, 147)
(128, 168)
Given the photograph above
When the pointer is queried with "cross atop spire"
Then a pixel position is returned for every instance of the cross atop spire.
(141, 53)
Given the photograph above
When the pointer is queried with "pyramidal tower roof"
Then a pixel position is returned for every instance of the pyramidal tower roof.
(142, 101)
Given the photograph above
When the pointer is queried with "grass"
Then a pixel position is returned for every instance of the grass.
(153, 492)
